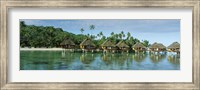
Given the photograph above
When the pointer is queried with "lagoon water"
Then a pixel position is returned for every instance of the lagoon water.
(56, 60)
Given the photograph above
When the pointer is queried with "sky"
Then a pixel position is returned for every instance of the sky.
(164, 31)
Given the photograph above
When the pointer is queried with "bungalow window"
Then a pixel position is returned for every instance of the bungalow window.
(139, 48)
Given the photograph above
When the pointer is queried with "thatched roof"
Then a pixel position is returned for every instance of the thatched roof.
(138, 45)
(161, 45)
(174, 45)
(122, 44)
(67, 42)
(87, 42)
(157, 45)
(108, 43)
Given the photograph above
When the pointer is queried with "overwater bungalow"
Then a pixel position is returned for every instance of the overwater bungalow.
(68, 44)
(87, 45)
(123, 46)
(139, 47)
(108, 46)
(157, 47)
(174, 47)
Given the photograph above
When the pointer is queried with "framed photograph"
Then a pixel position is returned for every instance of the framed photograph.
(77, 46)
(103, 44)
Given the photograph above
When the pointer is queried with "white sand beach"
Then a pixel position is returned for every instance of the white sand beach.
(41, 49)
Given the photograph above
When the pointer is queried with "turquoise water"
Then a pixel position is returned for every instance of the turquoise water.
(56, 60)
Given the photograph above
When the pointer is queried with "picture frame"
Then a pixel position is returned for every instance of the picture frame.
(7, 4)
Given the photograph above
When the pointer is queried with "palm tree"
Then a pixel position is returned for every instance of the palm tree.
(88, 35)
(131, 41)
(22, 24)
(112, 34)
(101, 34)
(116, 36)
(92, 27)
(98, 35)
(146, 43)
(128, 35)
(82, 30)
(122, 34)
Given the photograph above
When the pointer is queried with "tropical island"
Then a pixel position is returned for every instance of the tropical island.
(50, 37)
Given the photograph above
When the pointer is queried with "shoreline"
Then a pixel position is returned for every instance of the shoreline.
(58, 49)
(41, 49)
(70, 50)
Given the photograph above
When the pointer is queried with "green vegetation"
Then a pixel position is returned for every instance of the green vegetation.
(49, 36)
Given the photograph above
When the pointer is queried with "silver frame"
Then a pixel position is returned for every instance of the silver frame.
(4, 45)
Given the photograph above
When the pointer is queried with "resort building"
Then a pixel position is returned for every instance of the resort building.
(174, 47)
(139, 47)
(157, 47)
(87, 45)
(123, 46)
(67, 44)
(108, 46)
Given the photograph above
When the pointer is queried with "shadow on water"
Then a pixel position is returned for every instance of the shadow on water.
(35, 60)
(156, 58)
(40, 62)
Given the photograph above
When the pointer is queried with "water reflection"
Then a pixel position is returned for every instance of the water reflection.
(61, 65)
(174, 59)
(121, 58)
(155, 58)
(87, 58)
(107, 58)
(139, 57)
(65, 60)
(57, 60)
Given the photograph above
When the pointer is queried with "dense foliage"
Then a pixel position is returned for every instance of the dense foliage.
(48, 36)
